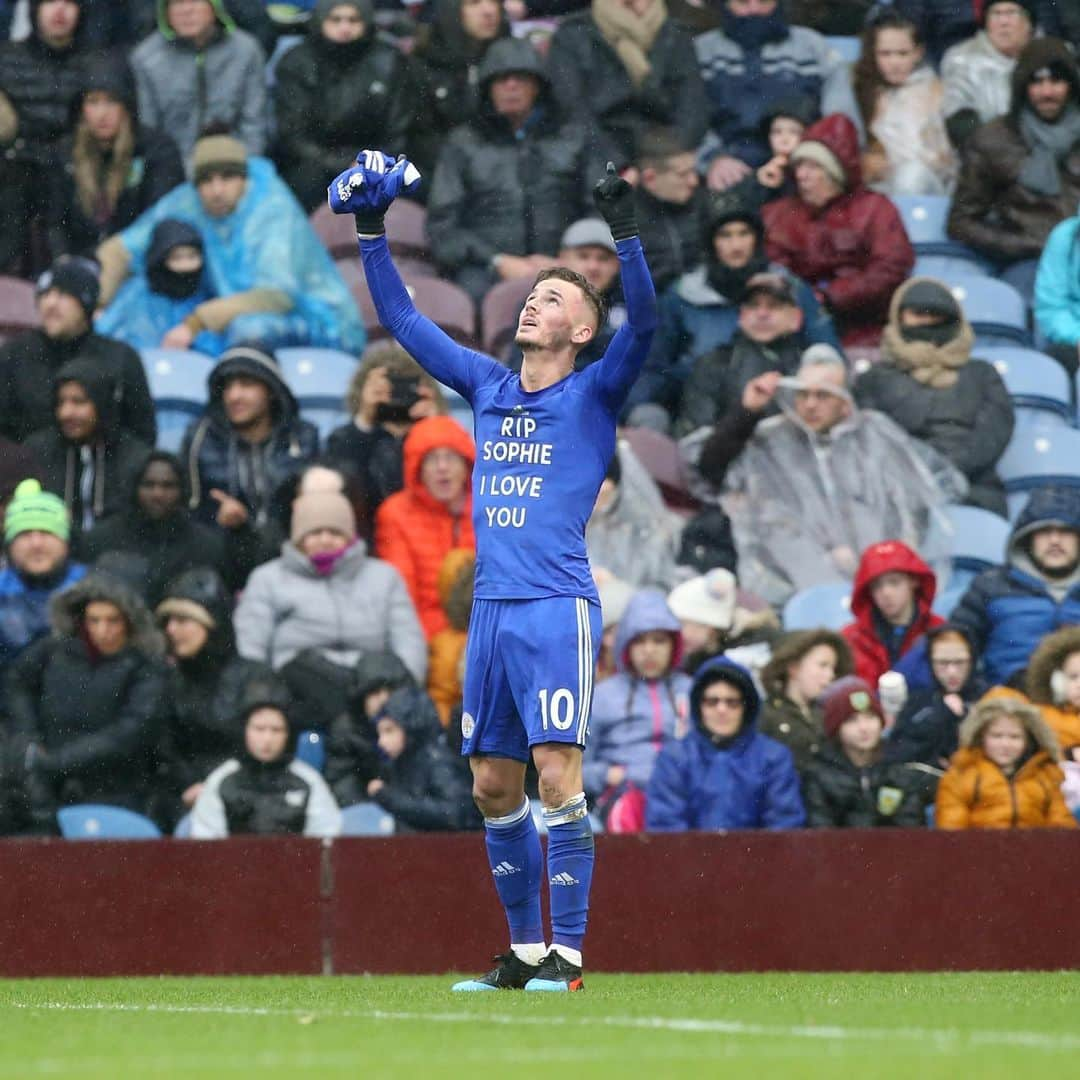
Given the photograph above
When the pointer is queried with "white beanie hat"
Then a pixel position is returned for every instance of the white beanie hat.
(709, 599)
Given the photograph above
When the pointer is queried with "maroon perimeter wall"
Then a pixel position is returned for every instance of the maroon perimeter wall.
(799, 901)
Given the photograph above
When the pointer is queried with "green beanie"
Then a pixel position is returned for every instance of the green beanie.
(33, 509)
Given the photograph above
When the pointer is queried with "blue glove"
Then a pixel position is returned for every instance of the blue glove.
(367, 190)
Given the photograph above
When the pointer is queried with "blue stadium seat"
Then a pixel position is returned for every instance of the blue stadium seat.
(319, 378)
(1034, 380)
(311, 749)
(366, 819)
(925, 218)
(978, 542)
(177, 381)
(822, 605)
(944, 267)
(945, 602)
(183, 828)
(94, 821)
(1039, 457)
(996, 311)
(459, 408)
(849, 48)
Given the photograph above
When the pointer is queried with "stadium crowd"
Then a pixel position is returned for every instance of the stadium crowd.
(256, 621)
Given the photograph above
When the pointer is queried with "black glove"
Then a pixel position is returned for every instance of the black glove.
(614, 199)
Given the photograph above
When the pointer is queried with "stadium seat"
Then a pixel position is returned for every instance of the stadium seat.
(1039, 457)
(499, 313)
(177, 380)
(937, 256)
(979, 538)
(18, 306)
(1034, 380)
(352, 273)
(944, 267)
(319, 378)
(336, 231)
(945, 602)
(446, 304)
(311, 749)
(95, 821)
(823, 605)
(660, 456)
(997, 312)
(183, 828)
(458, 407)
(406, 230)
(366, 819)
(849, 48)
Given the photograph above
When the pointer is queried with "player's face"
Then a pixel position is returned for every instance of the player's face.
(861, 732)
(597, 265)
(555, 317)
(391, 738)
(266, 734)
(650, 654)
(444, 473)
(220, 193)
(103, 115)
(480, 18)
(722, 709)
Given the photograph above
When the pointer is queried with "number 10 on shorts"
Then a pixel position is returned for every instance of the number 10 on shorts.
(560, 710)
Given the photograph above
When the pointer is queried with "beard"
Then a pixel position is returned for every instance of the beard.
(1056, 573)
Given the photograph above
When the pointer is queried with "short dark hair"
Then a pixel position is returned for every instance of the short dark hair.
(656, 146)
(572, 277)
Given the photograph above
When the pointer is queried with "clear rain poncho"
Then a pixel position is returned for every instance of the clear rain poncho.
(803, 507)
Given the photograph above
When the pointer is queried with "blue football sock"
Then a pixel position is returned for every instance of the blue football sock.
(570, 858)
(513, 846)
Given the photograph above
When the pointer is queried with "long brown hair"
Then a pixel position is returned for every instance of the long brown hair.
(865, 77)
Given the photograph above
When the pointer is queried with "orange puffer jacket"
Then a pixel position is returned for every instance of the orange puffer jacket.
(414, 532)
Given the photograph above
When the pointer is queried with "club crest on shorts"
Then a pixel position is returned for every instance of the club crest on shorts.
(468, 725)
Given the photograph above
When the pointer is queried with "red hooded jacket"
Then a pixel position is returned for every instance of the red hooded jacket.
(414, 531)
(854, 251)
(871, 655)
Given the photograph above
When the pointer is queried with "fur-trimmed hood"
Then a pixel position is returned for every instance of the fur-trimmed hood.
(1053, 651)
(990, 708)
(66, 611)
(792, 647)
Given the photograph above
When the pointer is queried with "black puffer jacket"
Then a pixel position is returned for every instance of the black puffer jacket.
(589, 77)
(671, 235)
(203, 723)
(444, 75)
(426, 788)
(840, 796)
(351, 757)
(495, 192)
(332, 99)
(118, 457)
(29, 363)
(96, 718)
(41, 83)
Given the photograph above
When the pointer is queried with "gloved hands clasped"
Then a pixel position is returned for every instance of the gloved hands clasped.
(369, 187)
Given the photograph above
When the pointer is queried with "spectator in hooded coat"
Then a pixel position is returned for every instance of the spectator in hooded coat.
(932, 386)
(202, 721)
(352, 758)
(446, 652)
(848, 242)
(631, 67)
(1006, 773)
(199, 69)
(116, 166)
(927, 729)
(416, 528)
(803, 665)
(87, 701)
(891, 601)
(1052, 683)
(724, 774)
(67, 295)
(421, 781)
(156, 535)
(37, 565)
(264, 789)
(1008, 609)
(850, 785)
(86, 458)
(340, 89)
(639, 710)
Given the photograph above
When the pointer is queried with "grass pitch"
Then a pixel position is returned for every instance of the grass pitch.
(955, 1026)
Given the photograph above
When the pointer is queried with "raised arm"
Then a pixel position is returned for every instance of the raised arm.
(366, 191)
(625, 356)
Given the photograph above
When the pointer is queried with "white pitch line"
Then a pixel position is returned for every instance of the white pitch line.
(953, 1038)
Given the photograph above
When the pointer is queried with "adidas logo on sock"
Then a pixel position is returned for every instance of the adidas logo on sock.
(504, 869)
(564, 879)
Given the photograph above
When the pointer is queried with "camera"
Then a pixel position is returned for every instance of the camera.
(404, 394)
